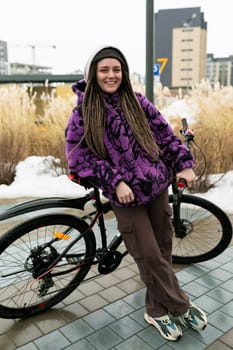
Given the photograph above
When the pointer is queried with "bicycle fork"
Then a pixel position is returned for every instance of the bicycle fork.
(177, 189)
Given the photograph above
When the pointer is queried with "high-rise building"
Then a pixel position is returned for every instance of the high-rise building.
(4, 64)
(219, 70)
(180, 46)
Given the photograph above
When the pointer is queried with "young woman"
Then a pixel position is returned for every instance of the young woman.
(120, 143)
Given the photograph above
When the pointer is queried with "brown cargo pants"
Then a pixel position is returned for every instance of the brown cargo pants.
(147, 233)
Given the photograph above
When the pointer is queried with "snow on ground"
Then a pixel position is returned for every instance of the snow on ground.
(42, 177)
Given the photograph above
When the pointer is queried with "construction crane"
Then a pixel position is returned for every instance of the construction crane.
(33, 48)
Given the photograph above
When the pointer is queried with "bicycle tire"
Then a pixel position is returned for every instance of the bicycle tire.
(27, 287)
(207, 231)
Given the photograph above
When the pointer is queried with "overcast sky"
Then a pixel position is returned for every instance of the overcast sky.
(76, 27)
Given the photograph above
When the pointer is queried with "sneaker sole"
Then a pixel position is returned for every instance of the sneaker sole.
(151, 322)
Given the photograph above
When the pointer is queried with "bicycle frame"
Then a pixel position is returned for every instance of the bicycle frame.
(74, 203)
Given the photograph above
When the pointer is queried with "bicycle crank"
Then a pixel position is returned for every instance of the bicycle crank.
(109, 262)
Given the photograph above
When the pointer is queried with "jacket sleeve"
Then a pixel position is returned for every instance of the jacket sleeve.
(83, 162)
(174, 153)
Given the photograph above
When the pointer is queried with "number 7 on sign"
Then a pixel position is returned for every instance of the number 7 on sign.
(163, 61)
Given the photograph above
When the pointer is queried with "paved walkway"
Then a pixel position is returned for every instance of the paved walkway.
(106, 312)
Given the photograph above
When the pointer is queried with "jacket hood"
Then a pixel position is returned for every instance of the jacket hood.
(97, 51)
(79, 86)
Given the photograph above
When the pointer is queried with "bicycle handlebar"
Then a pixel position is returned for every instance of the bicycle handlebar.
(186, 132)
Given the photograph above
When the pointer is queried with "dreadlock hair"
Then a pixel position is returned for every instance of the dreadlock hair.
(94, 115)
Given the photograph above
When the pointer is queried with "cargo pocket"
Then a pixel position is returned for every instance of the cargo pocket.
(166, 239)
(128, 233)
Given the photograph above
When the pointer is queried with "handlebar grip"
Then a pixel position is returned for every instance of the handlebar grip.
(182, 183)
(184, 123)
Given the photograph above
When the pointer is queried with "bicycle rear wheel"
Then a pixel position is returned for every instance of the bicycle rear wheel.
(33, 275)
(205, 231)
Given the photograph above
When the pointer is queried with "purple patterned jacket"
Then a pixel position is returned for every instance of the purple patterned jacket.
(126, 160)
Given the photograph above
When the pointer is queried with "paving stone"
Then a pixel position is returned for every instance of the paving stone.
(125, 327)
(228, 309)
(108, 280)
(228, 266)
(104, 339)
(218, 346)
(220, 274)
(228, 285)
(29, 346)
(221, 320)
(188, 342)
(81, 345)
(119, 309)
(210, 264)
(51, 340)
(6, 343)
(93, 302)
(185, 276)
(5, 325)
(90, 288)
(134, 343)
(130, 286)
(49, 321)
(139, 317)
(136, 300)
(195, 289)
(228, 338)
(113, 293)
(73, 297)
(207, 303)
(221, 294)
(76, 330)
(99, 319)
(124, 273)
(152, 337)
(208, 336)
(208, 281)
(73, 312)
(24, 331)
(197, 270)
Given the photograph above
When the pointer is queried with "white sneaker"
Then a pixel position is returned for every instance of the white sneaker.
(167, 328)
(194, 318)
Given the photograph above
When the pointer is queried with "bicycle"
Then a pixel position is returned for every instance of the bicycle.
(44, 259)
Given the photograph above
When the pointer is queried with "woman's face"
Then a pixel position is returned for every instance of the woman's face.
(109, 75)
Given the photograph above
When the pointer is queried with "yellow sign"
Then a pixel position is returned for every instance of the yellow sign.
(163, 61)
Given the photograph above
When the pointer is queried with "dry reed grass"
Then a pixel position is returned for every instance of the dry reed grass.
(17, 112)
(24, 132)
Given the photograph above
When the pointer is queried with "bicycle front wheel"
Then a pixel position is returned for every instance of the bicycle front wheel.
(205, 231)
(39, 265)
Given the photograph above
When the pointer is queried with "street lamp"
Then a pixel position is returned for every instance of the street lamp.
(150, 54)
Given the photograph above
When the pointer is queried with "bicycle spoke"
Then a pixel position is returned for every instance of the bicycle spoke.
(29, 278)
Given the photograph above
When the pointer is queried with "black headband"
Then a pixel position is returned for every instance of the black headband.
(110, 53)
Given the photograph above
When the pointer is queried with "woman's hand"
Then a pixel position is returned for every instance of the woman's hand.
(124, 193)
(187, 174)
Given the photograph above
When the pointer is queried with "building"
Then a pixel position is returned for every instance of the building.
(180, 46)
(219, 70)
(4, 65)
(24, 68)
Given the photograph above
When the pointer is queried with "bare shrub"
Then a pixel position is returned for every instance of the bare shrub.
(213, 128)
(49, 132)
